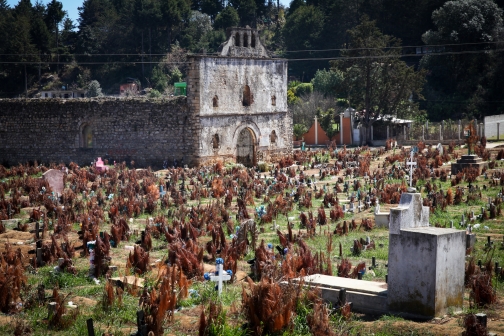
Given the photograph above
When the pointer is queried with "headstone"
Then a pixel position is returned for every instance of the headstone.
(351, 209)
(51, 310)
(55, 179)
(440, 149)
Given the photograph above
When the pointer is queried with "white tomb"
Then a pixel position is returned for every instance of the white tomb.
(382, 218)
(425, 268)
(426, 264)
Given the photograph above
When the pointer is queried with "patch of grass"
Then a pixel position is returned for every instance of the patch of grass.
(47, 276)
(391, 318)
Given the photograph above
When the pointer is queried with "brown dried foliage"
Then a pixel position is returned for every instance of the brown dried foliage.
(12, 279)
(268, 307)
(62, 318)
(139, 260)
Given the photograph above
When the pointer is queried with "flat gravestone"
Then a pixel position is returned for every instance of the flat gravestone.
(55, 179)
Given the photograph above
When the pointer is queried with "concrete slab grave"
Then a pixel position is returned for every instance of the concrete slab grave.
(382, 218)
(425, 268)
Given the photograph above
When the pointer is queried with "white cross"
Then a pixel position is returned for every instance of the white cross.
(411, 164)
(222, 276)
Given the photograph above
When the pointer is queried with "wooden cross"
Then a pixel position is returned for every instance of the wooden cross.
(411, 164)
(37, 230)
(220, 275)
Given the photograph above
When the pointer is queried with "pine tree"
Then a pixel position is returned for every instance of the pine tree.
(94, 89)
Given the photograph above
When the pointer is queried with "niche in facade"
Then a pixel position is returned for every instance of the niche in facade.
(273, 137)
(215, 101)
(215, 141)
(273, 100)
(247, 96)
(86, 137)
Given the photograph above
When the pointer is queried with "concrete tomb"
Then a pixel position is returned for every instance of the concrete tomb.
(426, 264)
(425, 268)
(468, 161)
(382, 218)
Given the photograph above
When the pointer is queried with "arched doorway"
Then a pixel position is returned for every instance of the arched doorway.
(245, 148)
(87, 137)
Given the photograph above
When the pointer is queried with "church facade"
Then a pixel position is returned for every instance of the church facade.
(241, 99)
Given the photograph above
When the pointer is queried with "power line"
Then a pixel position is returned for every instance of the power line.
(398, 47)
(285, 51)
(289, 60)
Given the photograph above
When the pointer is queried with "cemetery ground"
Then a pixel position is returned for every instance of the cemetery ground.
(201, 215)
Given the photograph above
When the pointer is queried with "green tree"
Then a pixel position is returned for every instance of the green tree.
(299, 130)
(211, 7)
(327, 121)
(159, 80)
(199, 25)
(465, 21)
(246, 11)
(460, 85)
(39, 33)
(94, 89)
(377, 82)
(295, 4)
(302, 28)
(327, 81)
(54, 16)
(302, 31)
(227, 18)
(303, 89)
(174, 12)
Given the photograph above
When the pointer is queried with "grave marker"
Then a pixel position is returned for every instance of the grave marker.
(411, 164)
(219, 276)
(90, 327)
(54, 178)
(37, 230)
(420, 283)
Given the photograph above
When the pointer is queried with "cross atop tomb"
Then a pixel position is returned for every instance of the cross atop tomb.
(411, 164)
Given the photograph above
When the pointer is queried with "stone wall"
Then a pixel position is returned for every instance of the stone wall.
(52, 130)
(494, 127)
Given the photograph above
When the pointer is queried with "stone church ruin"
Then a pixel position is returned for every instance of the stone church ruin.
(235, 110)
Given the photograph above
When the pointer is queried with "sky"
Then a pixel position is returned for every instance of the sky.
(70, 6)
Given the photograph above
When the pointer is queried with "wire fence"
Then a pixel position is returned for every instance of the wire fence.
(441, 131)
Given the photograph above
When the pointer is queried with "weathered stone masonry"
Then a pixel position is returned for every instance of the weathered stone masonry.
(235, 110)
(51, 130)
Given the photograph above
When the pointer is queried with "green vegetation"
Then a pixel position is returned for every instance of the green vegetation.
(375, 44)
